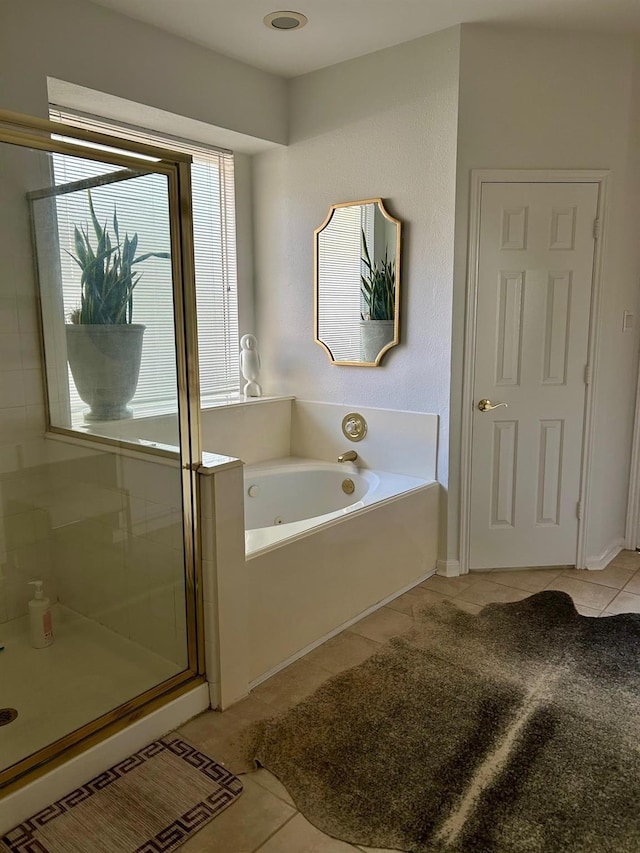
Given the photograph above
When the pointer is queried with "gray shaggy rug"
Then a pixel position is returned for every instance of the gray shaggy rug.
(513, 731)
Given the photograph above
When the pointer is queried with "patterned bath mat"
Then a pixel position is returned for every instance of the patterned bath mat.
(153, 801)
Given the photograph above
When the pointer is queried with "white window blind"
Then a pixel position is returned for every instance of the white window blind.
(340, 300)
(142, 208)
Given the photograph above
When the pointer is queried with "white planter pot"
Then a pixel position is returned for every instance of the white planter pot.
(374, 336)
(105, 363)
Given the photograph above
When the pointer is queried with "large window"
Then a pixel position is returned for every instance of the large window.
(215, 265)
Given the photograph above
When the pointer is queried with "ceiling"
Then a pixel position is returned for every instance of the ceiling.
(343, 29)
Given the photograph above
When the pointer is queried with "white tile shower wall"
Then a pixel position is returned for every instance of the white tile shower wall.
(116, 525)
(396, 441)
(24, 540)
(253, 431)
(24, 533)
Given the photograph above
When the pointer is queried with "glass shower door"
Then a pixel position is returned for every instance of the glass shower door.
(98, 440)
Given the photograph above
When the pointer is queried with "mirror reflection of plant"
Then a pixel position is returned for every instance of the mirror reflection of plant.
(108, 278)
(378, 285)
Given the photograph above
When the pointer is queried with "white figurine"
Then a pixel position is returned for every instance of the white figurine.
(250, 365)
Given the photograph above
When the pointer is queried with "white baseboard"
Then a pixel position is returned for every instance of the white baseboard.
(448, 568)
(33, 797)
(601, 562)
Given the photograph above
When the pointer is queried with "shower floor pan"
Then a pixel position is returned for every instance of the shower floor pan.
(88, 671)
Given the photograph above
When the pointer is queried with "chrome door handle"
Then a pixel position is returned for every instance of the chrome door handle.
(487, 405)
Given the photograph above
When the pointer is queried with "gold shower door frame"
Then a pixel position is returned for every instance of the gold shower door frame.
(48, 136)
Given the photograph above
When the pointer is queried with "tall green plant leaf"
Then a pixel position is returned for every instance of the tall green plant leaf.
(378, 286)
(107, 281)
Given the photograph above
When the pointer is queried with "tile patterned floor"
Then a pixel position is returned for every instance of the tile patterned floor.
(265, 818)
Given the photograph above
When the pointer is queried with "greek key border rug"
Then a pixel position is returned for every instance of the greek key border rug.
(152, 802)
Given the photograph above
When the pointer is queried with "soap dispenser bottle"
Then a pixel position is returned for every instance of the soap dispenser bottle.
(40, 624)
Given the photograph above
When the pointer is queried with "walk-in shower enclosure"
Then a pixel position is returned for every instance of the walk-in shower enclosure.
(94, 233)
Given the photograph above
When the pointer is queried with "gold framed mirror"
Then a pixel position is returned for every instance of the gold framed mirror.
(357, 282)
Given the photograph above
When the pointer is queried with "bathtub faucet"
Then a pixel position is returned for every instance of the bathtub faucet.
(349, 456)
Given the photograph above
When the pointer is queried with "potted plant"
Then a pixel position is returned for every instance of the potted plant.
(104, 346)
(378, 289)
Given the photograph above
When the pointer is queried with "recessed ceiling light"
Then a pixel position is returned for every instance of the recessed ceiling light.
(285, 20)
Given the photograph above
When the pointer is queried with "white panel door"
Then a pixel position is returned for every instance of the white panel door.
(535, 272)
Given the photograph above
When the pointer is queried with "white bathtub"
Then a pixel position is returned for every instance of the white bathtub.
(287, 498)
(309, 577)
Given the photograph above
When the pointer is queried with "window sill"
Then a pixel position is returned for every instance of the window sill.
(239, 400)
(160, 409)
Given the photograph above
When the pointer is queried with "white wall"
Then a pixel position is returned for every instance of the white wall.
(381, 125)
(533, 99)
(91, 46)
